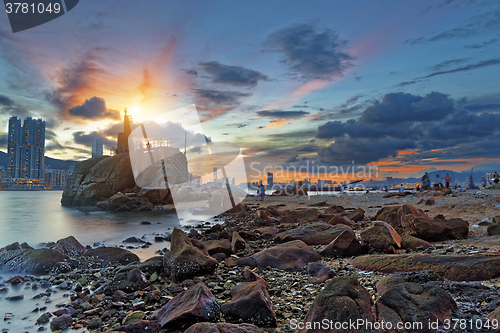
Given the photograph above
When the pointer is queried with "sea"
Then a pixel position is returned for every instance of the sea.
(37, 217)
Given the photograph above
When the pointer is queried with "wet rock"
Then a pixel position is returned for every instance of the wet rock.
(69, 246)
(250, 303)
(223, 328)
(106, 256)
(316, 233)
(11, 247)
(197, 304)
(237, 243)
(218, 246)
(40, 261)
(381, 235)
(345, 244)
(15, 298)
(44, 319)
(61, 322)
(318, 273)
(413, 302)
(476, 267)
(291, 256)
(143, 326)
(342, 299)
(407, 219)
(152, 265)
(334, 209)
(133, 240)
(125, 281)
(421, 277)
(185, 260)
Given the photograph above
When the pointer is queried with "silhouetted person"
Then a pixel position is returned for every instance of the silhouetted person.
(447, 180)
(426, 182)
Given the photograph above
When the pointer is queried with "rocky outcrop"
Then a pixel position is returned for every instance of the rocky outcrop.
(250, 303)
(315, 233)
(69, 246)
(291, 256)
(97, 179)
(106, 256)
(185, 260)
(413, 302)
(345, 244)
(197, 304)
(407, 219)
(381, 235)
(476, 267)
(40, 261)
(342, 300)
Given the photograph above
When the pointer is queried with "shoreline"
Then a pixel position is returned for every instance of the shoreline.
(292, 293)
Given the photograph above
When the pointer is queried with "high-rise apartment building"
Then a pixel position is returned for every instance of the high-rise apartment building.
(26, 148)
(97, 149)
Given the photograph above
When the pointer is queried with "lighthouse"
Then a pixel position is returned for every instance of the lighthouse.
(122, 144)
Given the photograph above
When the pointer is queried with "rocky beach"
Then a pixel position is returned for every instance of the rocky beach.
(282, 265)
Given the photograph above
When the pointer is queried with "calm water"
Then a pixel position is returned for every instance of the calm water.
(37, 216)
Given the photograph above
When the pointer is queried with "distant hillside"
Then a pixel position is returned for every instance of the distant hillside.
(53, 162)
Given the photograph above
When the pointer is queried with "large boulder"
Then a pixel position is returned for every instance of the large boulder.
(291, 256)
(69, 246)
(107, 256)
(97, 179)
(223, 328)
(407, 219)
(476, 267)
(316, 233)
(197, 304)
(318, 272)
(345, 244)
(125, 202)
(342, 300)
(409, 302)
(40, 261)
(185, 260)
(381, 235)
(250, 303)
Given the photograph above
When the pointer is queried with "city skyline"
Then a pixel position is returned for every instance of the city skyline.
(401, 86)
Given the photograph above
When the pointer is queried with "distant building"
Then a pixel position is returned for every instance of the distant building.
(122, 142)
(97, 148)
(388, 181)
(55, 178)
(270, 179)
(26, 148)
(320, 183)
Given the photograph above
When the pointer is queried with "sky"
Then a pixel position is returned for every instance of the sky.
(400, 86)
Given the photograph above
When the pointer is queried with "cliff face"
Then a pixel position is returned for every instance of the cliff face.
(98, 179)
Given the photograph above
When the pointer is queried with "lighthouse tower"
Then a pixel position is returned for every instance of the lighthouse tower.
(122, 144)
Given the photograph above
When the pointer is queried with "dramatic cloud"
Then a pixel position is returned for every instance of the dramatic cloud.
(94, 108)
(56, 146)
(6, 101)
(310, 54)
(76, 79)
(280, 114)
(405, 121)
(217, 102)
(481, 64)
(85, 139)
(232, 75)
